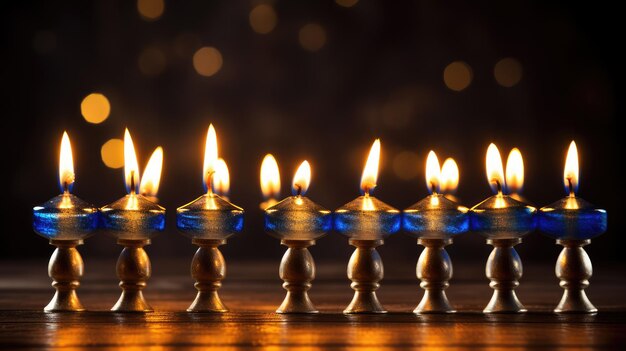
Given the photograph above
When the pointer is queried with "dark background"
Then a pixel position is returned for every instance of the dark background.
(379, 74)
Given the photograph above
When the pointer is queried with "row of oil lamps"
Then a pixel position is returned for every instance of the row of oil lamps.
(298, 222)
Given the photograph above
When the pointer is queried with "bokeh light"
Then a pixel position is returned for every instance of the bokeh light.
(312, 37)
(207, 61)
(112, 153)
(95, 108)
(406, 165)
(346, 3)
(150, 10)
(263, 18)
(508, 72)
(151, 61)
(457, 75)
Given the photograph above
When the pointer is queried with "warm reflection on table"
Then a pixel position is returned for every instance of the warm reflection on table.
(253, 292)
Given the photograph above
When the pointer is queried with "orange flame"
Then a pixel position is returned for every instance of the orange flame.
(570, 172)
(370, 172)
(66, 164)
(302, 179)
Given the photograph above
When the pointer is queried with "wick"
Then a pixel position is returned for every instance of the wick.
(209, 182)
(66, 187)
(298, 189)
(132, 182)
(571, 187)
(366, 189)
(498, 186)
(433, 188)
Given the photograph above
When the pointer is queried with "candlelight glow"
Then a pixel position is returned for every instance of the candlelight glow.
(270, 178)
(302, 179)
(495, 172)
(152, 174)
(570, 173)
(221, 178)
(449, 177)
(66, 164)
(370, 172)
(210, 158)
(433, 173)
(131, 167)
(515, 172)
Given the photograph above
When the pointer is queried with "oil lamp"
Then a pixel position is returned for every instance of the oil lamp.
(366, 221)
(297, 222)
(503, 221)
(209, 220)
(65, 220)
(573, 222)
(134, 220)
(434, 221)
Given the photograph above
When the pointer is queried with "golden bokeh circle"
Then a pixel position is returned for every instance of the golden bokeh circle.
(112, 153)
(457, 75)
(95, 108)
(207, 61)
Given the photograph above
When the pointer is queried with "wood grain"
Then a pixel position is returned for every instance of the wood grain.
(253, 292)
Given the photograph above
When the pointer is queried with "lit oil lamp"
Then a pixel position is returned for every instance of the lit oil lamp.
(366, 221)
(65, 220)
(134, 220)
(573, 222)
(503, 221)
(297, 222)
(209, 220)
(434, 221)
(270, 181)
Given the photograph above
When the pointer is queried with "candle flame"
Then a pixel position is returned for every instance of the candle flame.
(131, 167)
(495, 172)
(210, 158)
(302, 179)
(515, 172)
(221, 178)
(370, 172)
(152, 174)
(66, 164)
(449, 176)
(570, 172)
(433, 173)
(270, 178)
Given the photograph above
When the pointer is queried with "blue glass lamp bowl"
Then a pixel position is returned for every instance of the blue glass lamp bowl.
(297, 218)
(209, 217)
(367, 218)
(572, 218)
(435, 217)
(502, 217)
(133, 217)
(65, 217)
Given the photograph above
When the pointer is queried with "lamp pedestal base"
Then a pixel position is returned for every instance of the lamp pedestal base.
(297, 270)
(208, 268)
(434, 269)
(65, 268)
(134, 269)
(365, 270)
(573, 268)
(504, 269)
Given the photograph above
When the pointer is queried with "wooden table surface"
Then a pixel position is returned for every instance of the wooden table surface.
(253, 291)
